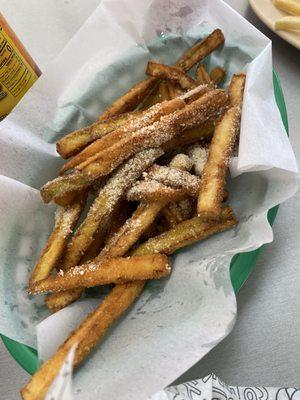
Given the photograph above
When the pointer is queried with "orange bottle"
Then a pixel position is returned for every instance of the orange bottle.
(18, 71)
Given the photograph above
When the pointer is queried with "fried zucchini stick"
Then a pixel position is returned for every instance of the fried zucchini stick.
(213, 180)
(174, 90)
(217, 75)
(98, 217)
(163, 91)
(86, 336)
(175, 74)
(186, 233)
(155, 135)
(175, 178)
(65, 221)
(130, 100)
(114, 270)
(182, 162)
(66, 199)
(131, 231)
(190, 136)
(199, 155)
(236, 90)
(75, 141)
(118, 219)
(202, 76)
(176, 212)
(192, 56)
(201, 49)
(152, 190)
(146, 118)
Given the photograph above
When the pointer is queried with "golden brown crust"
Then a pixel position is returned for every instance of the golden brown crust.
(131, 231)
(174, 213)
(215, 169)
(202, 75)
(174, 90)
(175, 74)
(200, 50)
(190, 136)
(75, 141)
(113, 270)
(217, 75)
(186, 233)
(236, 89)
(130, 100)
(163, 91)
(66, 220)
(151, 190)
(214, 174)
(174, 178)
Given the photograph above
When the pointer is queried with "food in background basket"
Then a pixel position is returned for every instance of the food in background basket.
(291, 22)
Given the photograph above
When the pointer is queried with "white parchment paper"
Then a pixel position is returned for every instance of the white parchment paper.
(177, 320)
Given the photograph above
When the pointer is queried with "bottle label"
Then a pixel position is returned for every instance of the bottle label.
(16, 75)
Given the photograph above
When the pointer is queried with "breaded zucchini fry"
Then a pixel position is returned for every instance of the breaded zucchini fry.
(186, 233)
(199, 155)
(189, 58)
(65, 221)
(175, 74)
(213, 180)
(175, 213)
(180, 211)
(175, 178)
(163, 91)
(113, 270)
(118, 218)
(152, 190)
(191, 136)
(130, 100)
(236, 90)
(202, 76)
(200, 50)
(131, 231)
(66, 199)
(181, 161)
(174, 90)
(217, 75)
(75, 141)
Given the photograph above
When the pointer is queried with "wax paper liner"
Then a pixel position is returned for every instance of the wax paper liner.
(177, 320)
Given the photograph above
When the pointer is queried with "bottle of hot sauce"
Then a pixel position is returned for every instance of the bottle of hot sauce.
(18, 71)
